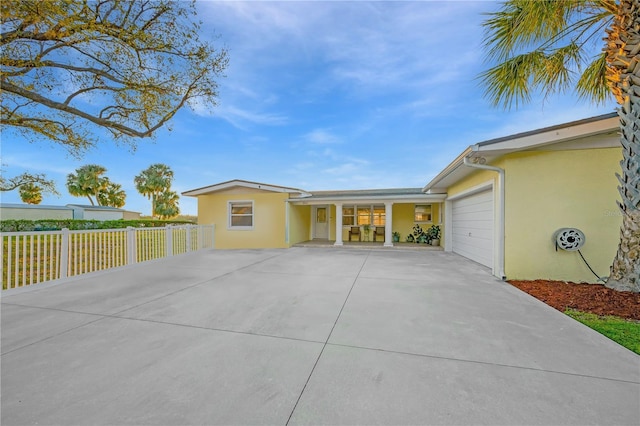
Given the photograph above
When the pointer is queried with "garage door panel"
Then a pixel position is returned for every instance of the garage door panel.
(484, 258)
(472, 227)
(476, 234)
(472, 208)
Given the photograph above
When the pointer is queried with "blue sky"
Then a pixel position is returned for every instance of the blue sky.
(321, 95)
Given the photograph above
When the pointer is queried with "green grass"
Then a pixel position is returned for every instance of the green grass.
(624, 332)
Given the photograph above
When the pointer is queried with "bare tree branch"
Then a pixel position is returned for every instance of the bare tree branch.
(140, 61)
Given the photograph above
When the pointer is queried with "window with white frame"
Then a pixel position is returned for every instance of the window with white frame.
(348, 216)
(379, 216)
(240, 214)
(363, 215)
(422, 213)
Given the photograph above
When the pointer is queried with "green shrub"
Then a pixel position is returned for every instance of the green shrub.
(21, 225)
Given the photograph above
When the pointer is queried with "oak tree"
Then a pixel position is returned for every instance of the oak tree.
(30, 193)
(71, 67)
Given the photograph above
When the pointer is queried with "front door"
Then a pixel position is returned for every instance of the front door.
(321, 224)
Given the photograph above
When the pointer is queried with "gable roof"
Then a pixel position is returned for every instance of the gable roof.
(243, 184)
(574, 135)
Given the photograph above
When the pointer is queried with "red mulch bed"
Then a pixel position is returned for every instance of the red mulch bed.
(594, 298)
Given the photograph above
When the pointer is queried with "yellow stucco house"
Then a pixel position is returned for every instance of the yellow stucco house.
(499, 203)
(257, 215)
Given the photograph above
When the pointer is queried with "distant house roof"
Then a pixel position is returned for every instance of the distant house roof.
(242, 184)
(90, 207)
(32, 206)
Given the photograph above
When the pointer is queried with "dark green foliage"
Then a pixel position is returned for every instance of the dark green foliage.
(75, 224)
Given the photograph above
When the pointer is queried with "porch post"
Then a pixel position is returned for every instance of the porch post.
(388, 222)
(338, 225)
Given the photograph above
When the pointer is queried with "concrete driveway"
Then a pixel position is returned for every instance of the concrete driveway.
(305, 336)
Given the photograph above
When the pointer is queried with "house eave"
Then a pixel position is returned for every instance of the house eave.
(243, 184)
(539, 139)
(368, 199)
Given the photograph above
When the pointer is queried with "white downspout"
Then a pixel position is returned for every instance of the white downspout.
(501, 214)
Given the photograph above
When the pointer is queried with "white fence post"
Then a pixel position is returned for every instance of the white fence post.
(63, 267)
(131, 245)
(169, 240)
(188, 231)
(38, 256)
(213, 235)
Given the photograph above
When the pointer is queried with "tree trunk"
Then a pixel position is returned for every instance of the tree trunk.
(623, 58)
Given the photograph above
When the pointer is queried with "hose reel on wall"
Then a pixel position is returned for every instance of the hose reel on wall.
(572, 239)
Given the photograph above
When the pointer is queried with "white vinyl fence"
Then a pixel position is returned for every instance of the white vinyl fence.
(38, 256)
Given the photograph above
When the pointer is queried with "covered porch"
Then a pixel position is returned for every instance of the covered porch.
(366, 218)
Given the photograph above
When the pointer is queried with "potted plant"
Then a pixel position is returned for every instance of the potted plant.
(434, 235)
(366, 228)
(396, 236)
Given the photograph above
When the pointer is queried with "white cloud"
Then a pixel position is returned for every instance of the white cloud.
(322, 137)
(347, 169)
(241, 118)
(363, 48)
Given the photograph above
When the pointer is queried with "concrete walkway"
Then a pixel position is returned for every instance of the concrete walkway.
(305, 336)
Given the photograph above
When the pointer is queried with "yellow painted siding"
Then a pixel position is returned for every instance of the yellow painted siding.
(477, 178)
(550, 190)
(403, 219)
(269, 219)
(299, 224)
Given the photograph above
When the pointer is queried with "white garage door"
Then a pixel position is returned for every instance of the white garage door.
(472, 227)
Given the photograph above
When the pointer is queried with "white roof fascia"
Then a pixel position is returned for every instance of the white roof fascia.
(369, 199)
(452, 167)
(526, 141)
(244, 184)
(554, 135)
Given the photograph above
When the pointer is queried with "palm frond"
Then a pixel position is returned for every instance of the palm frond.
(556, 69)
(515, 80)
(524, 23)
(509, 83)
(547, 40)
(592, 84)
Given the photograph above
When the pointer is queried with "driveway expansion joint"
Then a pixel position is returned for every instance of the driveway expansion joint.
(355, 280)
(494, 364)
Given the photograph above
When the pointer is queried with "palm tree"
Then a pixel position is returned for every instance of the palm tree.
(87, 181)
(544, 45)
(112, 195)
(153, 181)
(167, 205)
(30, 193)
